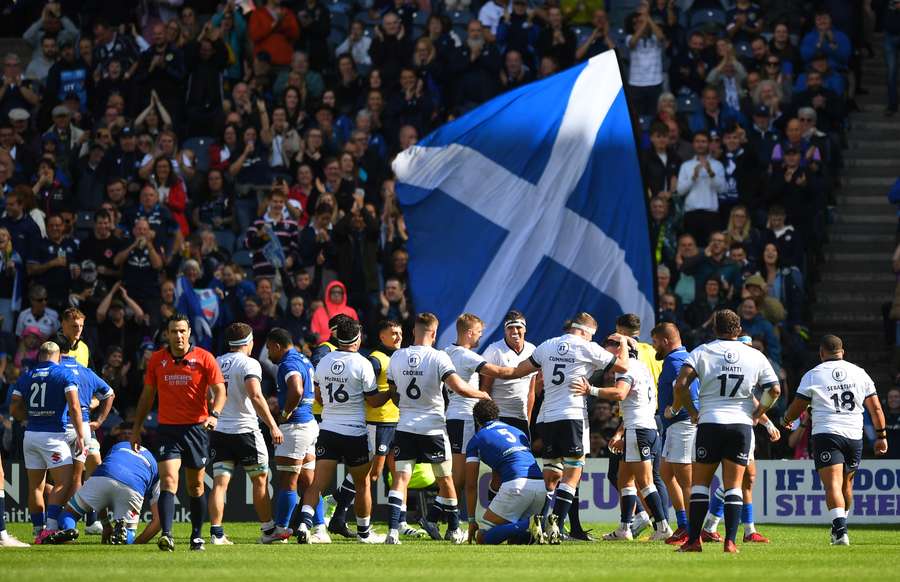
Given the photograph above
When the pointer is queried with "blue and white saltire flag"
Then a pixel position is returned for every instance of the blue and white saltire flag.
(202, 308)
(533, 201)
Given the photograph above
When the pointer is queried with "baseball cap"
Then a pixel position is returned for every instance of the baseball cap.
(756, 280)
(33, 330)
(60, 111)
(761, 111)
(19, 114)
(126, 131)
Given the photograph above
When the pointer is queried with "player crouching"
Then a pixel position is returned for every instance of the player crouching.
(514, 515)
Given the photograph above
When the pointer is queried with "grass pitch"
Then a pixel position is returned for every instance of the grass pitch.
(797, 553)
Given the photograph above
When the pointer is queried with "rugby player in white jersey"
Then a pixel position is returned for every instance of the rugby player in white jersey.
(237, 438)
(565, 361)
(717, 500)
(838, 391)
(415, 375)
(460, 422)
(636, 391)
(728, 370)
(345, 381)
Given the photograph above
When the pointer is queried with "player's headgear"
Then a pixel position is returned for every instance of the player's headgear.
(583, 321)
(347, 332)
(514, 318)
(238, 334)
(485, 411)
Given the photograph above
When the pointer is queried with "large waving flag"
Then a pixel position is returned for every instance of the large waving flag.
(532, 201)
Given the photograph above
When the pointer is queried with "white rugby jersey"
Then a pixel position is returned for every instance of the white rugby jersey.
(728, 371)
(467, 364)
(510, 396)
(562, 360)
(836, 390)
(238, 415)
(344, 380)
(419, 373)
(639, 407)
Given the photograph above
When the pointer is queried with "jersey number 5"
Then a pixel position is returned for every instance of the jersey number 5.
(558, 376)
(38, 389)
(723, 383)
(508, 435)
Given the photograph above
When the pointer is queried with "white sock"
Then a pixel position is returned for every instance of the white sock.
(394, 533)
(264, 527)
(711, 522)
(749, 529)
(644, 516)
(661, 525)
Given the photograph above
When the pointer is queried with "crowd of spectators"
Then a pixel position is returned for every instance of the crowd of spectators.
(153, 150)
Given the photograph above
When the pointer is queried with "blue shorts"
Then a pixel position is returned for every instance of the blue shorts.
(188, 442)
(832, 449)
(381, 435)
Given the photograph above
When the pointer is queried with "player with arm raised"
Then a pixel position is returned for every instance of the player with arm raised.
(416, 375)
(182, 376)
(295, 456)
(345, 383)
(838, 391)
(460, 426)
(636, 390)
(565, 361)
(515, 512)
(45, 395)
(727, 370)
(237, 439)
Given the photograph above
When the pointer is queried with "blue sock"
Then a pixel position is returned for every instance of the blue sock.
(319, 514)
(68, 520)
(166, 506)
(402, 518)
(198, 514)
(284, 508)
(91, 517)
(682, 518)
(38, 520)
(717, 503)
(436, 511)
(629, 500)
(451, 512)
(130, 535)
(654, 503)
(2, 510)
(734, 499)
(344, 497)
(562, 501)
(500, 533)
(395, 501)
(216, 531)
(53, 512)
(699, 506)
(548, 507)
(747, 513)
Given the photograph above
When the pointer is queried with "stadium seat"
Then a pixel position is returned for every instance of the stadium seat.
(225, 239)
(460, 17)
(340, 21)
(200, 147)
(702, 17)
(420, 18)
(368, 20)
(243, 258)
(743, 51)
(335, 38)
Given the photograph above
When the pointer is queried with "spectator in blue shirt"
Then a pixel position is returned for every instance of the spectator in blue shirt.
(826, 39)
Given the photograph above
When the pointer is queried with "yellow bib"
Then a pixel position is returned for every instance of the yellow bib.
(389, 412)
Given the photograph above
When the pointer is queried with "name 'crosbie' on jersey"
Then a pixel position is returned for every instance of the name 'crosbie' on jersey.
(418, 372)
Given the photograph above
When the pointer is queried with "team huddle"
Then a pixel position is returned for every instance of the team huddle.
(683, 415)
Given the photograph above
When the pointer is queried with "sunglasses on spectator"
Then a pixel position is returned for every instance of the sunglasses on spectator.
(772, 64)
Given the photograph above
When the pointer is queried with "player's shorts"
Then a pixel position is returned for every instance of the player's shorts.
(832, 449)
(380, 438)
(716, 442)
(460, 432)
(679, 445)
(245, 449)
(351, 450)
(639, 443)
(46, 450)
(519, 423)
(86, 437)
(752, 456)
(519, 498)
(563, 438)
(103, 492)
(188, 442)
(299, 440)
(421, 448)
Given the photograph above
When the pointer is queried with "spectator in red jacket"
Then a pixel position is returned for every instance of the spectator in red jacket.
(274, 30)
(335, 304)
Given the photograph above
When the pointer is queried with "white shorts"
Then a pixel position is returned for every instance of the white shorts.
(519, 498)
(679, 445)
(299, 440)
(102, 492)
(86, 437)
(46, 450)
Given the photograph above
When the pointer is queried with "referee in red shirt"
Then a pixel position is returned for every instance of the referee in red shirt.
(181, 376)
